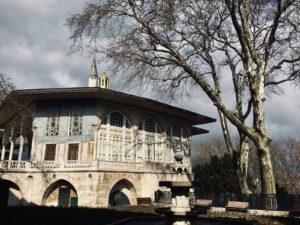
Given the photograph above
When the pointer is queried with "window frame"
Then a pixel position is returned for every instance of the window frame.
(68, 152)
(47, 154)
(80, 110)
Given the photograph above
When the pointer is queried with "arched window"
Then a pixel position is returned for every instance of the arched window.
(115, 138)
(149, 141)
(75, 120)
(53, 121)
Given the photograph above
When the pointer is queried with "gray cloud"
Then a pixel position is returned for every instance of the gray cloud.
(34, 50)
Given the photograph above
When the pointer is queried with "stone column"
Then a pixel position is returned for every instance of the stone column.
(108, 147)
(11, 150)
(123, 140)
(134, 135)
(21, 142)
(3, 147)
(21, 147)
(32, 152)
(96, 149)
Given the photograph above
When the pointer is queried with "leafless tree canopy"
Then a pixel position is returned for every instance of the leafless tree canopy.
(5, 87)
(178, 43)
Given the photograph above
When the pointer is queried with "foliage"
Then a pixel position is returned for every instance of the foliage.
(216, 176)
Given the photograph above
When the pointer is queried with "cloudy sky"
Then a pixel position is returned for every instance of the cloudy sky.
(34, 49)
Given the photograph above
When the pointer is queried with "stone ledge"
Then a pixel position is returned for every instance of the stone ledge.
(217, 209)
(259, 212)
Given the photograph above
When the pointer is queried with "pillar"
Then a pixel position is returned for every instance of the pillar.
(32, 152)
(96, 149)
(11, 150)
(21, 147)
(123, 141)
(3, 147)
(134, 134)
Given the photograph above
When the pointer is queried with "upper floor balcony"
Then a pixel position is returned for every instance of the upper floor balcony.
(95, 165)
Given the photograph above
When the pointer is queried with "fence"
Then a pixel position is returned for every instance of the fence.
(256, 201)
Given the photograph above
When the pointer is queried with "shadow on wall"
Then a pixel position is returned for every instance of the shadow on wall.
(11, 194)
(60, 193)
(122, 193)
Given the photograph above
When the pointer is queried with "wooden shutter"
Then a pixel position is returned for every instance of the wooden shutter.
(50, 152)
(73, 152)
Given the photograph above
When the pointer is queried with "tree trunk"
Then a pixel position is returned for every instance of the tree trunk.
(266, 175)
(242, 167)
(240, 160)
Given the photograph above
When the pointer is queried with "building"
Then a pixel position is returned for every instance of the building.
(91, 146)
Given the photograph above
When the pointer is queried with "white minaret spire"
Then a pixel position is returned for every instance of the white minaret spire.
(93, 77)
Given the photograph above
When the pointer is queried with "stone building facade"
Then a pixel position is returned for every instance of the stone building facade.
(91, 146)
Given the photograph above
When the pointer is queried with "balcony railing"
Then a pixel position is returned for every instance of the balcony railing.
(70, 165)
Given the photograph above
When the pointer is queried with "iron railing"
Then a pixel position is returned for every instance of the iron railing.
(284, 202)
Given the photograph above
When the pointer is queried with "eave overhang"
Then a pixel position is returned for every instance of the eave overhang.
(28, 96)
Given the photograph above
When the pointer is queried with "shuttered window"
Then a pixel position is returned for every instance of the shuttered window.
(73, 152)
(50, 152)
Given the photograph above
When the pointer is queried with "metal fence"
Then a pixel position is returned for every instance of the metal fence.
(256, 201)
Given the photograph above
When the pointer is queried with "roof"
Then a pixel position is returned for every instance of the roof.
(28, 96)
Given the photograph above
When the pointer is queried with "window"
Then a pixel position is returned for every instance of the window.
(73, 151)
(75, 120)
(115, 138)
(50, 152)
(53, 119)
(116, 119)
(176, 131)
(149, 142)
(149, 125)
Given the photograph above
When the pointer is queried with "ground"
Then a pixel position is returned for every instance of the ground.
(102, 216)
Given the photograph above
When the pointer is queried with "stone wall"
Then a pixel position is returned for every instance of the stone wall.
(92, 188)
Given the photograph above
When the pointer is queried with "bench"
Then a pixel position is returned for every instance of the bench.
(203, 202)
(295, 211)
(237, 206)
(202, 205)
(144, 201)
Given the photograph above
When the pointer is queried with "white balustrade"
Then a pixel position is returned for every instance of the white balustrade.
(73, 165)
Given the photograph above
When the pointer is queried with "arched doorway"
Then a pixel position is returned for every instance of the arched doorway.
(60, 193)
(10, 194)
(122, 193)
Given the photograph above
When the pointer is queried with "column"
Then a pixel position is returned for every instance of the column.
(3, 147)
(96, 142)
(21, 147)
(107, 141)
(123, 140)
(11, 150)
(134, 134)
(32, 152)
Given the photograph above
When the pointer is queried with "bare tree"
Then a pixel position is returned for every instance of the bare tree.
(286, 160)
(6, 87)
(204, 150)
(176, 44)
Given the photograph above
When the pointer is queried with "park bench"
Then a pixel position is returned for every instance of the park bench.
(202, 205)
(237, 206)
(295, 211)
(144, 201)
(203, 202)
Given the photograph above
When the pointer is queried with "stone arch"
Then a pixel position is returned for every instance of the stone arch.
(122, 193)
(10, 193)
(60, 193)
